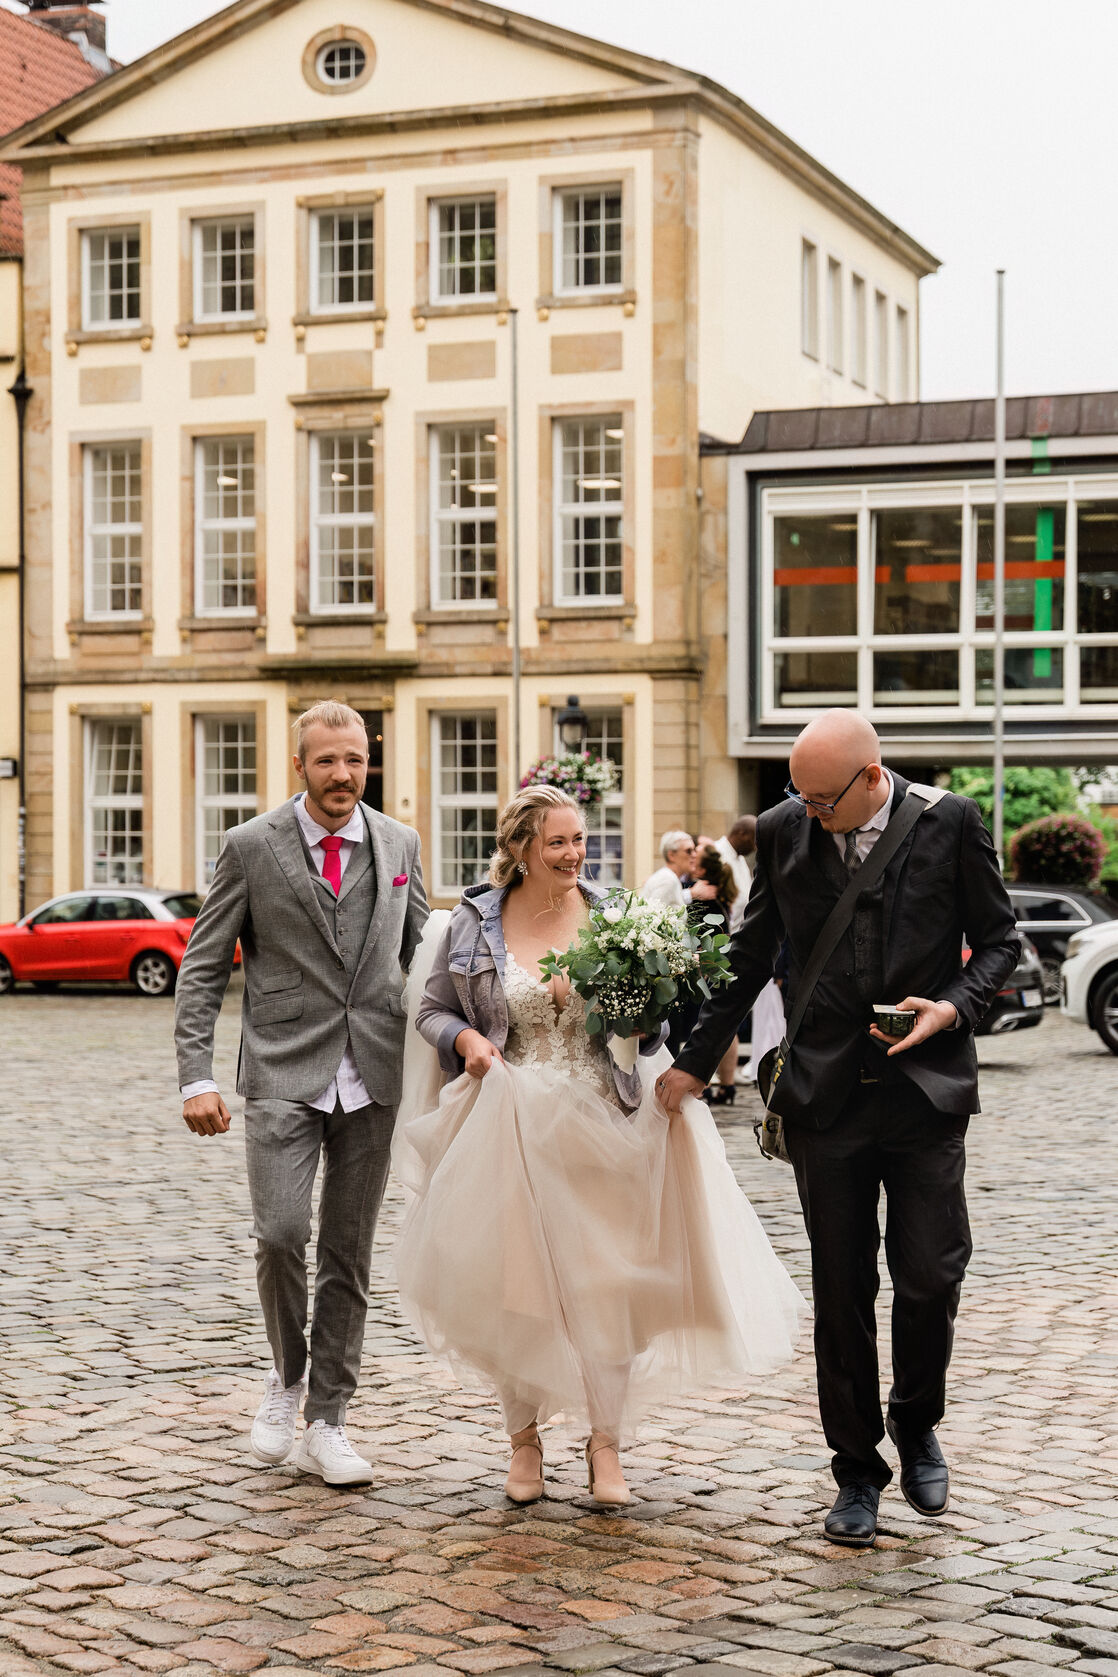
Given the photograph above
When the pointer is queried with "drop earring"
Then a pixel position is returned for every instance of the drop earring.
(522, 869)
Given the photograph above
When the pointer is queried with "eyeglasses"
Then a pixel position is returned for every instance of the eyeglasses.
(814, 803)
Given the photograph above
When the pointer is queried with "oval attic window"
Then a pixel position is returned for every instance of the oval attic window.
(342, 62)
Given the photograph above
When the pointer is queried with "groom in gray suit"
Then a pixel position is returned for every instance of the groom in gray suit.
(326, 897)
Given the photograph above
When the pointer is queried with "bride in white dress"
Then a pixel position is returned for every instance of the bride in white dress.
(566, 1241)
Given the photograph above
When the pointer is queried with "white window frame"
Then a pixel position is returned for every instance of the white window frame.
(443, 801)
(881, 345)
(613, 804)
(108, 324)
(859, 368)
(574, 509)
(130, 802)
(198, 234)
(559, 200)
(440, 517)
(322, 520)
(132, 530)
(834, 309)
(434, 245)
(363, 304)
(202, 524)
(809, 298)
(903, 372)
(970, 496)
(331, 47)
(246, 805)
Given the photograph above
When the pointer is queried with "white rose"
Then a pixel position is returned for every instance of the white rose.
(612, 915)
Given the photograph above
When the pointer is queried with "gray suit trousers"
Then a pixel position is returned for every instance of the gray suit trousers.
(284, 1141)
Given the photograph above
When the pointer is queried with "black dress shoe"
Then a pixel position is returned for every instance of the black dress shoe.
(853, 1519)
(925, 1481)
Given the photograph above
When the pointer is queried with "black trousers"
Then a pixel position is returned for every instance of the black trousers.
(888, 1136)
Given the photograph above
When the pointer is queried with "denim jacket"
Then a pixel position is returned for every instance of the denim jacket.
(466, 988)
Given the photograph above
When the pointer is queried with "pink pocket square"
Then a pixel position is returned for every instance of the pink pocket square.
(400, 879)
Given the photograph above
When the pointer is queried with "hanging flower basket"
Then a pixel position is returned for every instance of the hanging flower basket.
(582, 775)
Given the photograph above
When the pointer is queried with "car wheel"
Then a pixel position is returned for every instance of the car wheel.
(7, 978)
(1105, 1018)
(1051, 965)
(154, 973)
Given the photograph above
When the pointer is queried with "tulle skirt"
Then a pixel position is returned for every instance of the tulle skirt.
(582, 1259)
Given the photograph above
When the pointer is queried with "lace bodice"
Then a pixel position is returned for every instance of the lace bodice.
(539, 1035)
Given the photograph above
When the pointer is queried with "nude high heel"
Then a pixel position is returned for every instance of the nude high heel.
(518, 1486)
(614, 1493)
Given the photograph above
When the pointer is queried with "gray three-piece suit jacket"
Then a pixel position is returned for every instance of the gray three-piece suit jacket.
(317, 971)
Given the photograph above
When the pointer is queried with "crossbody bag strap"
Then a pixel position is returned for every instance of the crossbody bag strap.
(916, 800)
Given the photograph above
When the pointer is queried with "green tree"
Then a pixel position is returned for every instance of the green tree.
(1029, 793)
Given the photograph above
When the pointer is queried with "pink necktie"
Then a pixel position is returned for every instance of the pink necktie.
(332, 863)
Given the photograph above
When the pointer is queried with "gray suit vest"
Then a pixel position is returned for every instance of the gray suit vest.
(350, 914)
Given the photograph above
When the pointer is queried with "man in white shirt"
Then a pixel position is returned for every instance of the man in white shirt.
(665, 886)
(737, 849)
(326, 898)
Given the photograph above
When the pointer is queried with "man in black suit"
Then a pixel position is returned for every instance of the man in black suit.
(864, 1111)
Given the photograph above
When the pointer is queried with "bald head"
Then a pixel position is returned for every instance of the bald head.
(837, 748)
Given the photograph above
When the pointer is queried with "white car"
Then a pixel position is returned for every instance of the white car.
(1089, 980)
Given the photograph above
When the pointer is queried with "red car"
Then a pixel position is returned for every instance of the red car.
(127, 935)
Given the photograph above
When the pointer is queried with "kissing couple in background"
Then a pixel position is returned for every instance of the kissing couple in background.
(564, 1241)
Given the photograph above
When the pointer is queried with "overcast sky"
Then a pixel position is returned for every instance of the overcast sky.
(986, 128)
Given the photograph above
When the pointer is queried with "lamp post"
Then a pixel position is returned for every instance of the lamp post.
(573, 724)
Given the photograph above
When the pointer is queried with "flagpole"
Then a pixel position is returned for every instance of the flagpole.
(999, 576)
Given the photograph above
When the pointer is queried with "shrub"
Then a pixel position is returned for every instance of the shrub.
(1029, 792)
(1058, 850)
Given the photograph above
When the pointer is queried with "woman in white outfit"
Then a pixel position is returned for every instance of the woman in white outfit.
(565, 1240)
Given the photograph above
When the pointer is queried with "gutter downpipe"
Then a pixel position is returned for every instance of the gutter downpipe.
(999, 580)
(21, 393)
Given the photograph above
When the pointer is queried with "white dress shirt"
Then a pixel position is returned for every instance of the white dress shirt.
(346, 1085)
(868, 837)
(874, 827)
(663, 887)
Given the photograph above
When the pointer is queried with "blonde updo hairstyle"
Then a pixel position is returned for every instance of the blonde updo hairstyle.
(518, 824)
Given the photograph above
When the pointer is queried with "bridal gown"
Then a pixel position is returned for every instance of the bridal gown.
(579, 1258)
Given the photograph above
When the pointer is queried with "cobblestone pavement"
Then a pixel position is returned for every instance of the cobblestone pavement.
(136, 1535)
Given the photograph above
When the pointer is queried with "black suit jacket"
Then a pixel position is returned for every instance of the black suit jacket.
(943, 882)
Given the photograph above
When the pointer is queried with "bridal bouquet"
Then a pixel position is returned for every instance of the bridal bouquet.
(637, 960)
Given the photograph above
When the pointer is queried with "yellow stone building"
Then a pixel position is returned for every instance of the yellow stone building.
(372, 344)
(40, 65)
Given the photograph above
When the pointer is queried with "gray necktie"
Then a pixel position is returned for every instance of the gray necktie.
(850, 857)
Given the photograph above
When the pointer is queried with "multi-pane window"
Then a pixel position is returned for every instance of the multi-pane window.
(114, 804)
(464, 514)
(225, 268)
(465, 798)
(114, 531)
(225, 533)
(589, 457)
(605, 842)
(834, 315)
(342, 62)
(110, 276)
(882, 596)
(464, 247)
(881, 345)
(225, 755)
(342, 254)
(809, 299)
(589, 238)
(858, 329)
(343, 521)
(904, 356)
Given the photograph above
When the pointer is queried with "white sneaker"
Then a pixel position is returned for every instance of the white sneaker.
(326, 1450)
(273, 1431)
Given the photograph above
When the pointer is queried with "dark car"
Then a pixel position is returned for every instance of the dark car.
(128, 935)
(1049, 915)
(1020, 1001)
